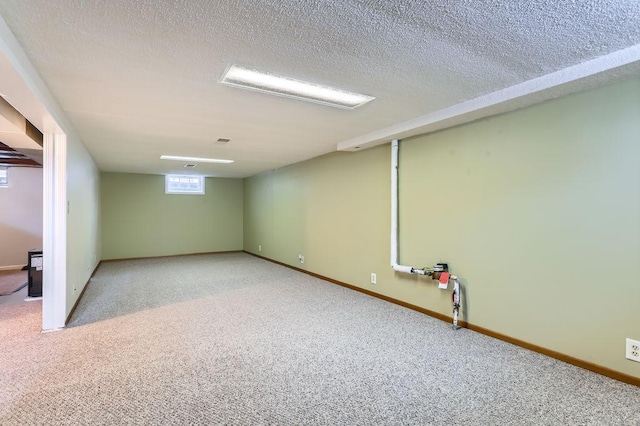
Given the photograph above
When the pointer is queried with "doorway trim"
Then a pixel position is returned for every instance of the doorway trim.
(54, 232)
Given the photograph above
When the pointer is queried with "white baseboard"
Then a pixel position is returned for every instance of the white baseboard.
(11, 267)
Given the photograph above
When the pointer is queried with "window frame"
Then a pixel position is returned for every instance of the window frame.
(5, 171)
(177, 191)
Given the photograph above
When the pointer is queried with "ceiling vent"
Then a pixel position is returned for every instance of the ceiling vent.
(189, 166)
(223, 141)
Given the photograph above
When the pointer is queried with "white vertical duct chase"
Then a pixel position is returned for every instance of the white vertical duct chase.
(394, 216)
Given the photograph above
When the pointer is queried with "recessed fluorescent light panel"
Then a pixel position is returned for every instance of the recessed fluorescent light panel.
(195, 159)
(291, 88)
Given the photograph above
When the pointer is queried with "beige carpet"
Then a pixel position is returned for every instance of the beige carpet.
(235, 340)
(10, 281)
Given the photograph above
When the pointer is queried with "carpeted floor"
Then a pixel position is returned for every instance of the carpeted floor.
(11, 281)
(232, 339)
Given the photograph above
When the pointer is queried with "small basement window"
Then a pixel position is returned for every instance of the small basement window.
(184, 184)
(4, 177)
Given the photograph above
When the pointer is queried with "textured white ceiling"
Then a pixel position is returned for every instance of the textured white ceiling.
(139, 78)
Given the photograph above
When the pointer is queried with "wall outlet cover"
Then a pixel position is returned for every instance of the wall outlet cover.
(374, 278)
(633, 350)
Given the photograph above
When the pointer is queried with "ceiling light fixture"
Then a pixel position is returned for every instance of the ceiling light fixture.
(288, 87)
(195, 159)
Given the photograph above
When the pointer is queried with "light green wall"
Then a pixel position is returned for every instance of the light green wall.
(140, 220)
(83, 220)
(538, 211)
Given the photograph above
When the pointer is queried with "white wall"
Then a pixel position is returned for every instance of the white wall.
(20, 216)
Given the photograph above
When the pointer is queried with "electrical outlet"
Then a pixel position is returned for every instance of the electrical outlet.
(373, 278)
(633, 350)
(301, 258)
(260, 248)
